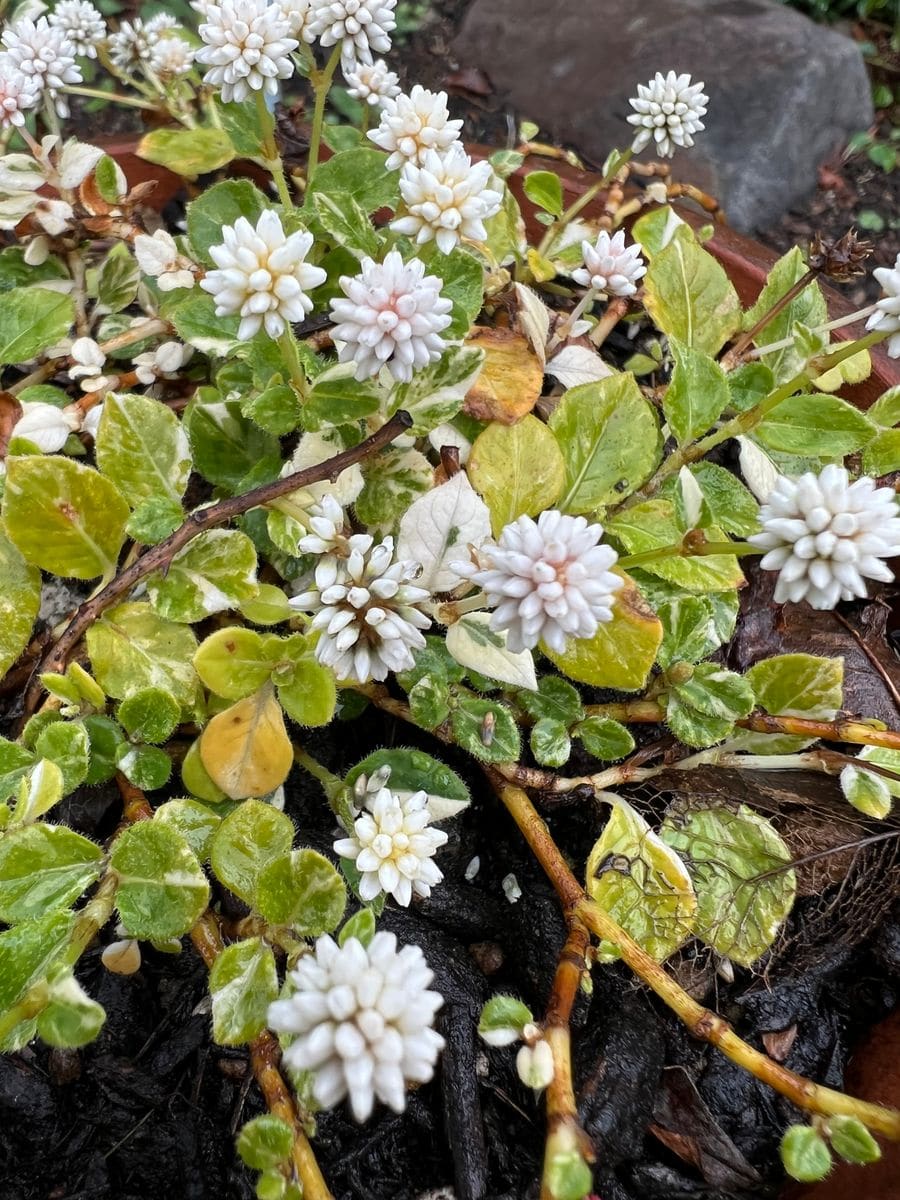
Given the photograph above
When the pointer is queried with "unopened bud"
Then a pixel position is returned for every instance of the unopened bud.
(535, 1065)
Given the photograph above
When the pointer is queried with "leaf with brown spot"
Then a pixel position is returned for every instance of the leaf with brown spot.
(245, 749)
(510, 381)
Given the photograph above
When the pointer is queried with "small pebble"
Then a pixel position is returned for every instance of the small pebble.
(511, 888)
(472, 869)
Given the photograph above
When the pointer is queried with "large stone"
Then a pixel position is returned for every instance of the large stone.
(784, 93)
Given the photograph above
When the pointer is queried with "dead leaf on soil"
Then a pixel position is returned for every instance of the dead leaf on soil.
(511, 379)
(10, 411)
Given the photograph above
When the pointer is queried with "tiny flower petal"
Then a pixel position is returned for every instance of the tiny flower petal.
(447, 198)
(886, 318)
(413, 124)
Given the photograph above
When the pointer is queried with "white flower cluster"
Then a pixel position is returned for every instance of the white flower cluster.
(162, 363)
(18, 93)
(262, 275)
(159, 257)
(610, 266)
(172, 56)
(247, 47)
(43, 53)
(886, 317)
(358, 26)
(447, 198)
(365, 607)
(134, 42)
(413, 124)
(362, 1021)
(548, 580)
(371, 82)
(393, 316)
(825, 536)
(393, 843)
(81, 23)
(667, 111)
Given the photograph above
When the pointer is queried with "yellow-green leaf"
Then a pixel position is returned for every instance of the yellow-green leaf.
(188, 152)
(517, 469)
(131, 648)
(689, 296)
(142, 447)
(20, 600)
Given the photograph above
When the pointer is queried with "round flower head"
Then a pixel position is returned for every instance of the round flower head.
(392, 316)
(447, 198)
(172, 56)
(610, 266)
(263, 275)
(18, 93)
(362, 1020)
(43, 52)
(825, 536)
(296, 13)
(548, 580)
(886, 317)
(247, 48)
(372, 83)
(133, 42)
(393, 844)
(365, 610)
(360, 26)
(668, 111)
(413, 124)
(81, 23)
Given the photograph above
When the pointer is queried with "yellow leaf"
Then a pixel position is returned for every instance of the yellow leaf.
(621, 653)
(511, 379)
(517, 468)
(245, 749)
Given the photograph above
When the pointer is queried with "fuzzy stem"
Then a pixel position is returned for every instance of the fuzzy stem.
(701, 1022)
(270, 151)
(321, 81)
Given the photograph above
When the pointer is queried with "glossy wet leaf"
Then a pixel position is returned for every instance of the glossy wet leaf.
(195, 778)
(345, 223)
(225, 444)
(215, 572)
(142, 447)
(28, 951)
(194, 821)
(651, 525)
(337, 398)
(697, 394)
(554, 698)
(245, 749)
(303, 890)
(20, 601)
(162, 889)
(550, 742)
(486, 729)
(621, 652)
(44, 867)
(360, 926)
(38, 789)
(394, 479)
(604, 738)
(689, 296)
(117, 279)
(249, 838)
(502, 1020)
(793, 685)
(308, 692)
(63, 517)
(188, 152)
(416, 771)
(641, 883)
(147, 767)
(473, 643)
(438, 528)
(429, 701)
(741, 873)
(266, 1141)
(66, 744)
(814, 426)
(232, 662)
(71, 1017)
(150, 715)
(867, 792)
(131, 648)
(105, 736)
(243, 983)
(518, 469)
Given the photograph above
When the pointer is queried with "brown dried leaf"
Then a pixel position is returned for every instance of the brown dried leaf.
(778, 1042)
(10, 411)
(511, 379)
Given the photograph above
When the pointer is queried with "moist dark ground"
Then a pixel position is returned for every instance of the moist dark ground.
(150, 1110)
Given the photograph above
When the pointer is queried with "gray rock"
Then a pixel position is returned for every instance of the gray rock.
(784, 93)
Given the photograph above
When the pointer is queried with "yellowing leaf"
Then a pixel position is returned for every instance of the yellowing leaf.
(245, 749)
(621, 652)
(517, 468)
(689, 296)
(510, 380)
(20, 599)
(188, 152)
(642, 883)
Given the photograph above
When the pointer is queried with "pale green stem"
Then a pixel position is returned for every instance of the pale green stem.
(115, 97)
(839, 323)
(578, 206)
(270, 152)
(321, 81)
(566, 325)
(680, 550)
(288, 346)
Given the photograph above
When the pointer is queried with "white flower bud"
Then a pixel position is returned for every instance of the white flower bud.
(534, 1065)
(667, 111)
(886, 317)
(45, 426)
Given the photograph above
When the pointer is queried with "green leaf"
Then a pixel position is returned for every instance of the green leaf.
(147, 767)
(232, 662)
(731, 505)
(655, 229)
(697, 395)
(814, 426)
(345, 223)
(16, 272)
(266, 1141)
(554, 698)
(132, 648)
(689, 630)
(749, 384)
(66, 744)
(162, 889)
(302, 889)
(518, 469)
(195, 822)
(716, 692)
(793, 685)
(20, 602)
(604, 738)
(550, 742)
(436, 393)
(651, 525)
(357, 175)
(741, 872)
(118, 279)
(416, 771)
(360, 926)
(105, 737)
(153, 520)
(463, 283)
(150, 715)
(216, 571)
(277, 410)
(544, 189)
(610, 441)
(852, 1141)
(31, 320)
(143, 449)
(621, 652)
(568, 1176)
(694, 728)
(486, 729)
(336, 398)
(808, 308)
(243, 983)
(638, 880)
(805, 1154)
(63, 517)
(44, 867)
(221, 205)
(226, 445)
(242, 124)
(38, 793)
(886, 409)
(309, 692)
(71, 1018)
(28, 951)
(393, 481)
(881, 456)
(188, 152)
(248, 840)
(502, 1020)
(268, 607)
(689, 296)
(867, 792)
(193, 315)
(429, 701)
(15, 763)
(196, 778)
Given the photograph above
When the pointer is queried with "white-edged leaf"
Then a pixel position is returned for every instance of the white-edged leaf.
(474, 644)
(576, 364)
(437, 528)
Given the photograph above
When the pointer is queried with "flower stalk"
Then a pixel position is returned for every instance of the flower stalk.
(321, 81)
